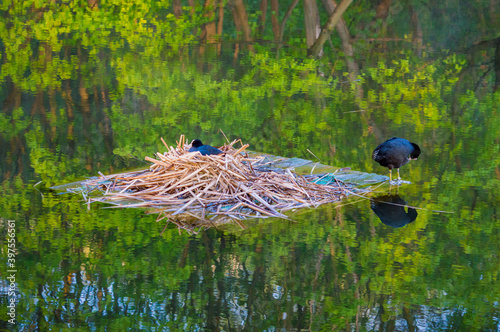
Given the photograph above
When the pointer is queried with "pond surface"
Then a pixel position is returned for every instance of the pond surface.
(359, 265)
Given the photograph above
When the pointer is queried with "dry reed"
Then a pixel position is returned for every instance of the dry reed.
(193, 190)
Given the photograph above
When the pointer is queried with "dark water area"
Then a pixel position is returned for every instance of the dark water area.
(429, 263)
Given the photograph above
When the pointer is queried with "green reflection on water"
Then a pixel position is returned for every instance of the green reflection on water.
(73, 111)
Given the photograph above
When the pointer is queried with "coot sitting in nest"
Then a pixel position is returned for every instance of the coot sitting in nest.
(394, 153)
(205, 150)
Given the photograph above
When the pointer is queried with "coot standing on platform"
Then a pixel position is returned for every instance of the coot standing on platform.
(197, 145)
(394, 153)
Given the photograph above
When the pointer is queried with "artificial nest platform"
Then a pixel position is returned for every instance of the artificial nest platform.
(193, 190)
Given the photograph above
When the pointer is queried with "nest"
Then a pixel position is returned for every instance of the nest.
(193, 190)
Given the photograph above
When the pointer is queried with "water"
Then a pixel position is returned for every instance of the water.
(336, 267)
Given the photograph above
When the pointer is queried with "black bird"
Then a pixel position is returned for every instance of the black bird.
(391, 210)
(394, 153)
(197, 145)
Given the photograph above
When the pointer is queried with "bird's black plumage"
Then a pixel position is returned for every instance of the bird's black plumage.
(394, 153)
(205, 150)
(391, 210)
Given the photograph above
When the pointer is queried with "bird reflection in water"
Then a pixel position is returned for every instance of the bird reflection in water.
(391, 210)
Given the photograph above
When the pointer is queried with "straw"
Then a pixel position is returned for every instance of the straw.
(192, 190)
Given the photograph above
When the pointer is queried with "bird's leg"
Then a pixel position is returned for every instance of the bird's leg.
(390, 177)
(399, 182)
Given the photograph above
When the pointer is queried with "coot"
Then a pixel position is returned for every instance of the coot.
(197, 145)
(394, 153)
